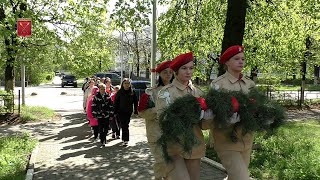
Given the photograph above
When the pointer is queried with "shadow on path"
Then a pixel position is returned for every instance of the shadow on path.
(73, 156)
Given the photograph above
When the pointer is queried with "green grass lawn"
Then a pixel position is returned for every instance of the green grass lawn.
(291, 152)
(14, 155)
(34, 113)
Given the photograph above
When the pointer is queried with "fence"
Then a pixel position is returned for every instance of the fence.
(292, 97)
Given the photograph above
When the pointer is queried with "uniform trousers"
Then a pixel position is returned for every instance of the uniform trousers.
(103, 124)
(125, 120)
(236, 163)
(160, 167)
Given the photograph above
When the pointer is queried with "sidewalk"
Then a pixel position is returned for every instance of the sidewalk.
(65, 152)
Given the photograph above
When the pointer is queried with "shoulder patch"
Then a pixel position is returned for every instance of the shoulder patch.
(218, 79)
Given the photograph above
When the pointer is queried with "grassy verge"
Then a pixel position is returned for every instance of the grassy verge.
(14, 156)
(291, 152)
(33, 113)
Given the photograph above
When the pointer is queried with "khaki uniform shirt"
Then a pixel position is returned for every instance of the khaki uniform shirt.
(167, 95)
(221, 137)
(150, 115)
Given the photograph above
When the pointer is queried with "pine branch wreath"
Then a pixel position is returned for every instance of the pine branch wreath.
(257, 112)
(176, 123)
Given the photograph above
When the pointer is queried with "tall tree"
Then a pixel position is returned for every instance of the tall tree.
(234, 26)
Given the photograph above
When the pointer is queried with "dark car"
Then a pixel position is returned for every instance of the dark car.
(140, 86)
(115, 78)
(69, 80)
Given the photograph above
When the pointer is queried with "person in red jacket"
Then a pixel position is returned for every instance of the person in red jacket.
(92, 121)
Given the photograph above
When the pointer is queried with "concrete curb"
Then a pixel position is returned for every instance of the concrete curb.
(32, 161)
(214, 164)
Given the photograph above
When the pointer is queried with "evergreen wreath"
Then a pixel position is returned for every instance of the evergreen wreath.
(176, 123)
(257, 113)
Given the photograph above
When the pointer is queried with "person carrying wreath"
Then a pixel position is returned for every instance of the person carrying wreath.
(186, 166)
(234, 154)
(150, 115)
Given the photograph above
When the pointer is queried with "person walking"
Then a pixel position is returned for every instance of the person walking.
(87, 92)
(125, 104)
(102, 109)
(115, 123)
(153, 131)
(92, 121)
(234, 156)
(186, 166)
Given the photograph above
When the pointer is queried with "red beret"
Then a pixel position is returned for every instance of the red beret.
(162, 66)
(181, 60)
(230, 52)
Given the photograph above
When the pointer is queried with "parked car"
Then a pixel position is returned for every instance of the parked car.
(69, 80)
(115, 78)
(139, 86)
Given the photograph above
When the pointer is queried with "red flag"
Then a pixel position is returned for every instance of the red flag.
(24, 27)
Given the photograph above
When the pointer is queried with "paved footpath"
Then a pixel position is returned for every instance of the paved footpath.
(66, 152)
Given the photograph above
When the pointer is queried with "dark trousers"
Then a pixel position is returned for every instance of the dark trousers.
(95, 130)
(125, 120)
(115, 125)
(103, 124)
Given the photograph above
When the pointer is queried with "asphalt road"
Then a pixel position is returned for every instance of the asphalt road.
(54, 97)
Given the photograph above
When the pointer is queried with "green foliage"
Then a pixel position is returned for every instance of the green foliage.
(34, 113)
(177, 125)
(14, 155)
(291, 152)
(131, 14)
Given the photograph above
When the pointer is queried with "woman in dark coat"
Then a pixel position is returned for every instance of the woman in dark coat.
(125, 103)
(102, 109)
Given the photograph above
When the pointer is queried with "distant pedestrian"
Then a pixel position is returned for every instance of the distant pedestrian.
(102, 109)
(85, 84)
(92, 121)
(125, 104)
(115, 123)
(109, 88)
(86, 94)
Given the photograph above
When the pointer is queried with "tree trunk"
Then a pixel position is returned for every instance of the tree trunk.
(137, 53)
(234, 28)
(316, 74)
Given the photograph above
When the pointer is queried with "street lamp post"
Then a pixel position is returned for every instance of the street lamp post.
(154, 43)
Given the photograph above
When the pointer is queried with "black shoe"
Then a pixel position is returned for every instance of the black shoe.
(113, 136)
(118, 137)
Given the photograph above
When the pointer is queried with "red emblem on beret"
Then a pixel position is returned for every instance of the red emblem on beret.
(181, 60)
(230, 52)
(162, 66)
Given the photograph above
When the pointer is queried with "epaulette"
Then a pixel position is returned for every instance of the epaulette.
(218, 78)
(164, 88)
